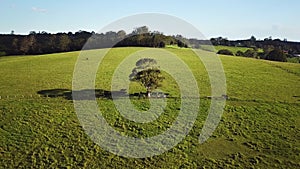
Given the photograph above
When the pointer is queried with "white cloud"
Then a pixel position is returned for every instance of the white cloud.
(41, 10)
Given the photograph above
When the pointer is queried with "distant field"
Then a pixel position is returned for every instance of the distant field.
(260, 127)
(231, 48)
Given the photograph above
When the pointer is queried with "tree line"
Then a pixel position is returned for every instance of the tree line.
(284, 45)
(44, 43)
(270, 49)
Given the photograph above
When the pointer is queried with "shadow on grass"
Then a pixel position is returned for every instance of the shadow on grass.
(91, 94)
(297, 97)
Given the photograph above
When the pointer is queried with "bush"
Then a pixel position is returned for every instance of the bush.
(2, 53)
(225, 52)
(250, 53)
(294, 60)
(181, 44)
(162, 44)
(239, 53)
(277, 55)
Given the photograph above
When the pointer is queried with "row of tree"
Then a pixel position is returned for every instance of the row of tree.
(43, 42)
(275, 54)
(272, 49)
(268, 44)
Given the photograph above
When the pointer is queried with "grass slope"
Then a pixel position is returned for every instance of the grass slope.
(219, 47)
(259, 128)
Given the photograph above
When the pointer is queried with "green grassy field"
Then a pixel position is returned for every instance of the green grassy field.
(260, 127)
(231, 48)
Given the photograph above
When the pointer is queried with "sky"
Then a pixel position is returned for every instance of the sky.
(234, 19)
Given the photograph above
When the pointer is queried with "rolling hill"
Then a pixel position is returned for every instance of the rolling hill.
(260, 126)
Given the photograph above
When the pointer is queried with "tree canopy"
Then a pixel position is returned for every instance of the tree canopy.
(43, 42)
(148, 74)
(277, 55)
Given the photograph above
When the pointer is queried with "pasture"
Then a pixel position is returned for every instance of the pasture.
(260, 127)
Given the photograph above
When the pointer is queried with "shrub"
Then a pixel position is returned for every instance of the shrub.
(162, 44)
(294, 60)
(239, 53)
(2, 53)
(277, 55)
(250, 53)
(225, 52)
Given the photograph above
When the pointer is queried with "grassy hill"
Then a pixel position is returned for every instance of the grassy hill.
(219, 47)
(260, 126)
(233, 49)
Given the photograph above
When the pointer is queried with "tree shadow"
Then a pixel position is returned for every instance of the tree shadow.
(297, 97)
(66, 93)
(91, 94)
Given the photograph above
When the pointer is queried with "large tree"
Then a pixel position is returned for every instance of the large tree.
(148, 74)
(140, 30)
(277, 55)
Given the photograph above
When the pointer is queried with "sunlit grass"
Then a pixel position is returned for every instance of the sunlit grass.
(259, 127)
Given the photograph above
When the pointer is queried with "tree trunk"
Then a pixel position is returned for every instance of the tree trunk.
(148, 92)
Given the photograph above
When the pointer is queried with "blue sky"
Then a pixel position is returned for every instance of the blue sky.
(234, 19)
